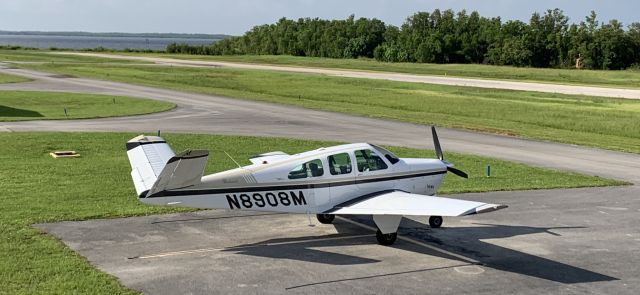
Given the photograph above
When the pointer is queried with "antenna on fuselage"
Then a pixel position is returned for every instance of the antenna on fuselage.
(232, 159)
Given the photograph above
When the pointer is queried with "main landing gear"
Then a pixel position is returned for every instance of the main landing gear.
(390, 238)
(390, 222)
(386, 239)
(325, 218)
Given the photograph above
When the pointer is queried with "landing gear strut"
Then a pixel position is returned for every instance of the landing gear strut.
(386, 239)
(325, 218)
(435, 221)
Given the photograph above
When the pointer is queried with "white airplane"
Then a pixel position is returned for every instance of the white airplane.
(350, 179)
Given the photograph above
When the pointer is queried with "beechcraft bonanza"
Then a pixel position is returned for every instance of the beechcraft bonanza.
(350, 179)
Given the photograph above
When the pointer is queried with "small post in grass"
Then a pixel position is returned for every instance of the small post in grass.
(488, 170)
(114, 100)
(65, 113)
(158, 132)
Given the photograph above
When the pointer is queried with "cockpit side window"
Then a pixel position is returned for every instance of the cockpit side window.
(387, 154)
(339, 164)
(308, 169)
(368, 160)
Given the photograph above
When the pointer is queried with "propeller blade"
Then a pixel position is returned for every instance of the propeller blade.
(457, 172)
(436, 143)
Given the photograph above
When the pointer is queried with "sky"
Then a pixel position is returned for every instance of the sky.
(237, 16)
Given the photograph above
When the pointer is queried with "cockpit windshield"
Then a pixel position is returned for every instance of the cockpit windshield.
(387, 154)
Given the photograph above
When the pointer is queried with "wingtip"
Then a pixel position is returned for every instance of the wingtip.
(489, 208)
(486, 208)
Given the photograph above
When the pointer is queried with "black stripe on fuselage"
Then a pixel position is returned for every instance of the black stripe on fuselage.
(249, 189)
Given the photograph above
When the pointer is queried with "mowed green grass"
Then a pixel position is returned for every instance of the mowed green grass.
(37, 188)
(5, 78)
(628, 78)
(591, 121)
(37, 105)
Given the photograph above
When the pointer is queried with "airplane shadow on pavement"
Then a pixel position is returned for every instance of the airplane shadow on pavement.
(463, 241)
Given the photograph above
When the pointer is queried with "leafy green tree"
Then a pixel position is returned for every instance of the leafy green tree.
(547, 40)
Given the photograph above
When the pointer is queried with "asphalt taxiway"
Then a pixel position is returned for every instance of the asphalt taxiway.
(547, 242)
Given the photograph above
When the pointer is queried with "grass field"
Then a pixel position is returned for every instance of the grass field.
(628, 78)
(592, 121)
(37, 188)
(36, 105)
(4, 78)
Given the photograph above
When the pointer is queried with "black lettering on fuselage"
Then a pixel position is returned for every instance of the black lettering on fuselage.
(233, 202)
(258, 199)
(299, 199)
(271, 199)
(284, 198)
(247, 201)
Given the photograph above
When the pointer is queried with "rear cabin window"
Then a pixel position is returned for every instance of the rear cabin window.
(339, 164)
(369, 161)
(308, 169)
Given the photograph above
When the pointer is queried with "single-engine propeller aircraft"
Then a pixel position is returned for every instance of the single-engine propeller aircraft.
(350, 179)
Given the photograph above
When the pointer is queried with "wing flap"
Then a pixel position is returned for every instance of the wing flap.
(403, 203)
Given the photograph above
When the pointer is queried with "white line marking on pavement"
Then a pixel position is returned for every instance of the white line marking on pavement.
(614, 208)
(204, 250)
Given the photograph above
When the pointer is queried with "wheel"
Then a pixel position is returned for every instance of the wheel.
(325, 218)
(435, 221)
(386, 239)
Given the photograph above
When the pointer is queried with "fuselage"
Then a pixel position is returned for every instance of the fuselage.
(312, 182)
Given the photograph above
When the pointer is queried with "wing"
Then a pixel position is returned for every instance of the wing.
(403, 203)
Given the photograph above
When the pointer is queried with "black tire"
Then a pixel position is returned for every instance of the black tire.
(386, 239)
(325, 218)
(435, 221)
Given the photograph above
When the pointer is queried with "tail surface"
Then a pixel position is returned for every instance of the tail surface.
(181, 171)
(155, 168)
(148, 156)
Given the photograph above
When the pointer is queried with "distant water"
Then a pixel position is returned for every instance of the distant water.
(82, 42)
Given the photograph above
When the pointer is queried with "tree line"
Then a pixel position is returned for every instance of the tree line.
(547, 40)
